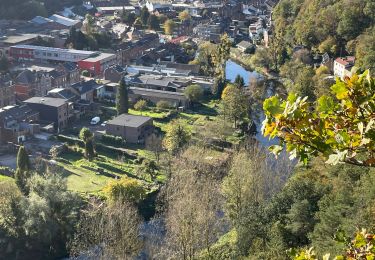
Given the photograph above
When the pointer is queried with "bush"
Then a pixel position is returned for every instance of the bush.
(162, 104)
(85, 73)
(116, 141)
(141, 105)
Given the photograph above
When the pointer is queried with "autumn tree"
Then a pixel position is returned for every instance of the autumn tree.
(122, 98)
(184, 15)
(220, 58)
(177, 135)
(235, 103)
(192, 223)
(125, 189)
(169, 26)
(341, 128)
(141, 105)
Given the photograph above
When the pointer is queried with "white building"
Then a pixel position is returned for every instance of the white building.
(342, 67)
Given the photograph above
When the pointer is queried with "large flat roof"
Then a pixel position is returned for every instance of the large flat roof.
(14, 39)
(115, 8)
(129, 120)
(48, 101)
(99, 57)
(50, 49)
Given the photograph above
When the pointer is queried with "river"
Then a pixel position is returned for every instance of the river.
(233, 69)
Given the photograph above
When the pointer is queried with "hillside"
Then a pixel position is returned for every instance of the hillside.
(339, 27)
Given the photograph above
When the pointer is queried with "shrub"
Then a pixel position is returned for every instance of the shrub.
(162, 104)
(141, 105)
(85, 73)
(116, 141)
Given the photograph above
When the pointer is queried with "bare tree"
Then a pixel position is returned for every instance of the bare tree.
(192, 214)
(154, 143)
(108, 232)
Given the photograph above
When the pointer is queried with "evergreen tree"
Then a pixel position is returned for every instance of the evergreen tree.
(4, 64)
(145, 14)
(87, 137)
(153, 22)
(122, 99)
(239, 81)
(23, 167)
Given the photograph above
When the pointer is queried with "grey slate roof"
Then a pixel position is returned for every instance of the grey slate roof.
(129, 120)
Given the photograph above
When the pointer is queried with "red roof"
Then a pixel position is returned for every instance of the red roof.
(347, 61)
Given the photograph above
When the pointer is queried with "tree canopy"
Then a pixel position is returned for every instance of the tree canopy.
(341, 128)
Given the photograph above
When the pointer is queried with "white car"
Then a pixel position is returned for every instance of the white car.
(104, 123)
(95, 120)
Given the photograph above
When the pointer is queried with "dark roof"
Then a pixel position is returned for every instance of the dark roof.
(129, 120)
(47, 101)
(157, 93)
(85, 86)
(69, 66)
(16, 112)
(61, 93)
(244, 44)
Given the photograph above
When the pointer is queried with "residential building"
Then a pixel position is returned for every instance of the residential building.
(244, 45)
(40, 53)
(86, 90)
(134, 129)
(130, 51)
(114, 73)
(31, 83)
(7, 91)
(53, 110)
(17, 123)
(342, 67)
(98, 64)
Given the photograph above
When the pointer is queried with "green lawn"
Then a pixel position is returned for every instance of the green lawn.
(6, 179)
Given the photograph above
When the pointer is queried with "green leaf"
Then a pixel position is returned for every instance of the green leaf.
(276, 149)
(325, 104)
(272, 106)
(340, 90)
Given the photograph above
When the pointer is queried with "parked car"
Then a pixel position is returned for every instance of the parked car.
(95, 120)
(104, 123)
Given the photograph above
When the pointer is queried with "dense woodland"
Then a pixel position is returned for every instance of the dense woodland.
(223, 195)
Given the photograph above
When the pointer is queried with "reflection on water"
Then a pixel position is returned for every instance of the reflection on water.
(233, 69)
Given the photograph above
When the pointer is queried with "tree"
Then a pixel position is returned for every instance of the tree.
(235, 103)
(4, 64)
(239, 81)
(125, 189)
(141, 105)
(41, 223)
(176, 136)
(365, 51)
(23, 169)
(169, 26)
(137, 23)
(153, 22)
(184, 15)
(128, 17)
(341, 128)
(154, 143)
(221, 56)
(149, 167)
(122, 98)
(145, 14)
(87, 137)
(261, 58)
(194, 93)
(192, 223)
(108, 232)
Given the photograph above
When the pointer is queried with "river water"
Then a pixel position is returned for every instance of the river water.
(233, 69)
